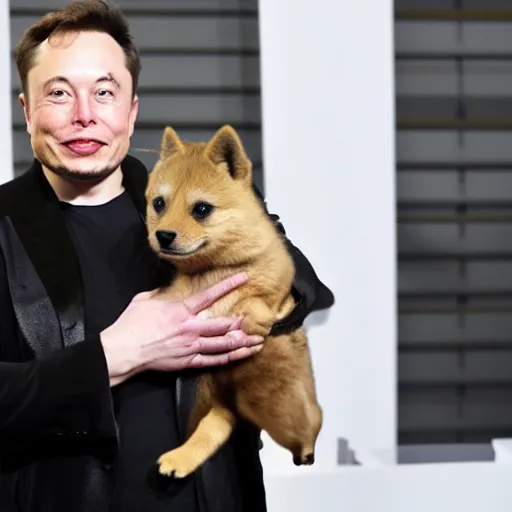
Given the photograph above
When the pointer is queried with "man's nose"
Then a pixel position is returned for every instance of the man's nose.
(84, 110)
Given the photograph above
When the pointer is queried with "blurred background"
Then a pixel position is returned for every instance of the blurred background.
(453, 107)
(454, 206)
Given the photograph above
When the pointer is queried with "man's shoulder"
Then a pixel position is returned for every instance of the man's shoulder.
(11, 192)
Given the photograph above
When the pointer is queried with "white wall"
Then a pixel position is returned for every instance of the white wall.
(7, 166)
(329, 168)
(472, 487)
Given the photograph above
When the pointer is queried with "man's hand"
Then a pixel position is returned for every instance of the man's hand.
(155, 334)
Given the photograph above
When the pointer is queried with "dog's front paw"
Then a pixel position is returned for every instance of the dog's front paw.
(255, 327)
(257, 317)
(175, 464)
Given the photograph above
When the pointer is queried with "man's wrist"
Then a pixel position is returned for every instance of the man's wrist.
(116, 368)
(119, 379)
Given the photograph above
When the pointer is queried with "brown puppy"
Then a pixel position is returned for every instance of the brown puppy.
(204, 217)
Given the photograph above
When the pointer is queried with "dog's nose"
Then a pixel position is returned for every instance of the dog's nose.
(165, 238)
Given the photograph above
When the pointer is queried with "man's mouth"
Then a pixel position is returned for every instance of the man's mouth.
(84, 147)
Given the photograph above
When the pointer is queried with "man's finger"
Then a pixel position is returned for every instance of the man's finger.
(204, 299)
(211, 326)
(228, 343)
(146, 295)
(206, 360)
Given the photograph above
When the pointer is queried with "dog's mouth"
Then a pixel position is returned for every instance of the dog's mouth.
(183, 252)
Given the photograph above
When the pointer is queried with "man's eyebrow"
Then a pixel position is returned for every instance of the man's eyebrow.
(54, 79)
(106, 78)
(109, 78)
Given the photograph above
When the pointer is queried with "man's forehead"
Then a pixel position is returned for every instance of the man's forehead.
(80, 49)
(73, 40)
(57, 58)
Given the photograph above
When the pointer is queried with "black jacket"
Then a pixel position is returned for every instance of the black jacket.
(58, 435)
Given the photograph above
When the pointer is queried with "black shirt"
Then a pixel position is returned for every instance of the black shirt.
(116, 264)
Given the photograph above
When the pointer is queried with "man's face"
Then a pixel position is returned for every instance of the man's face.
(80, 111)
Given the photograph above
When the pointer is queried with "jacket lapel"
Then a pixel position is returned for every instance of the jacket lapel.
(39, 224)
(28, 295)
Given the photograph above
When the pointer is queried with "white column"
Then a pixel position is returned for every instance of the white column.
(329, 168)
(7, 165)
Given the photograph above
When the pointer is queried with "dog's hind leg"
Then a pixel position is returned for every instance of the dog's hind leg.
(285, 407)
(292, 420)
(211, 433)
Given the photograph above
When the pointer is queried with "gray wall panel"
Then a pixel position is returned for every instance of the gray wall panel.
(447, 329)
(424, 37)
(429, 238)
(427, 408)
(446, 185)
(438, 410)
(427, 185)
(448, 277)
(449, 146)
(478, 367)
(448, 4)
(439, 78)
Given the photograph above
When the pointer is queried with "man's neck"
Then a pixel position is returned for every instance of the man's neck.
(86, 193)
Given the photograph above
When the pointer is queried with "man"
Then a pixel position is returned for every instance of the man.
(96, 375)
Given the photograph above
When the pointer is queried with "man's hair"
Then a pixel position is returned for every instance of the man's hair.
(80, 15)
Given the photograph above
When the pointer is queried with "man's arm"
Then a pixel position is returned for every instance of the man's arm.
(63, 395)
(310, 292)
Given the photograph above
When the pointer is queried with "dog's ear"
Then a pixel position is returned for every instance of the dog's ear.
(225, 147)
(171, 143)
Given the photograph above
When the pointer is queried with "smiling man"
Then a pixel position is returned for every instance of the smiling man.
(96, 374)
(80, 107)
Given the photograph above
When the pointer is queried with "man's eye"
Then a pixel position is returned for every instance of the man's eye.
(104, 96)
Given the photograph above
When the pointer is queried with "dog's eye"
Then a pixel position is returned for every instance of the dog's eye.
(158, 204)
(202, 210)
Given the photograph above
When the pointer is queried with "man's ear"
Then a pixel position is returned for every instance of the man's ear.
(26, 110)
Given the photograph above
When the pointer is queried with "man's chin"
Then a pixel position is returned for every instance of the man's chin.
(82, 175)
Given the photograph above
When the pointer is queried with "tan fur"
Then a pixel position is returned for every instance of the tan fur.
(275, 388)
